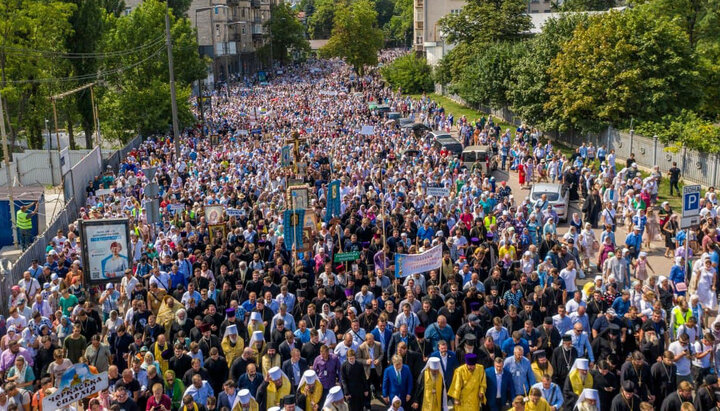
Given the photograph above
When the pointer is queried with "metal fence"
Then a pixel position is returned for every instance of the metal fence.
(696, 167)
(75, 196)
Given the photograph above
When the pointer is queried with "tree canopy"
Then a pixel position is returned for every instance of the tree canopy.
(288, 34)
(355, 35)
(481, 21)
(410, 73)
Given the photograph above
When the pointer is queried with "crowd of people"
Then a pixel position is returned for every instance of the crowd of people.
(234, 316)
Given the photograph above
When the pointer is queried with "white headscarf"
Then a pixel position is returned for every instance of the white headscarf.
(335, 394)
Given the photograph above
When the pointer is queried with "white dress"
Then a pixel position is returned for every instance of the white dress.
(705, 293)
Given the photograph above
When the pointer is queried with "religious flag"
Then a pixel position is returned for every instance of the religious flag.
(293, 221)
(333, 200)
(286, 156)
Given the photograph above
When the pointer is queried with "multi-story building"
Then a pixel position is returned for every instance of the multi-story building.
(230, 32)
(428, 37)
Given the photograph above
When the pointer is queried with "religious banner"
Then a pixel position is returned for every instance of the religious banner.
(105, 245)
(76, 383)
(438, 191)
(286, 156)
(298, 197)
(217, 231)
(409, 264)
(333, 200)
(235, 212)
(213, 214)
(176, 208)
(293, 221)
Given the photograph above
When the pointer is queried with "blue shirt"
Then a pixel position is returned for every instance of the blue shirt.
(498, 337)
(508, 346)
(621, 307)
(563, 325)
(553, 395)
(582, 345)
(522, 375)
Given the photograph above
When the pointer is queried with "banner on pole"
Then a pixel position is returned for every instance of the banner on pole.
(333, 201)
(409, 264)
(286, 156)
(293, 221)
(438, 191)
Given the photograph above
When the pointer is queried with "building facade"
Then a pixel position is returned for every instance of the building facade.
(230, 32)
(428, 39)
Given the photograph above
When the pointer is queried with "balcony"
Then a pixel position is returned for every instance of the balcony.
(257, 30)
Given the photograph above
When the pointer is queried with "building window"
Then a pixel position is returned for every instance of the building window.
(243, 29)
(455, 11)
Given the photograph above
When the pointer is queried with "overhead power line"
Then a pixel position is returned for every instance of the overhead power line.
(57, 54)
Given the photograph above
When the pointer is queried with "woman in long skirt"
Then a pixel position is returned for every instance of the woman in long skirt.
(521, 174)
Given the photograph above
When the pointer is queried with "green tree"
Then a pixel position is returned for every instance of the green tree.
(399, 30)
(623, 65)
(287, 33)
(385, 10)
(320, 23)
(586, 5)
(87, 22)
(138, 97)
(487, 20)
(486, 80)
(411, 73)
(26, 75)
(530, 78)
(355, 35)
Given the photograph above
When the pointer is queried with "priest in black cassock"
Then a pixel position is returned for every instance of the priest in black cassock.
(605, 382)
(673, 401)
(706, 398)
(626, 400)
(562, 360)
(635, 369)
(664, 375)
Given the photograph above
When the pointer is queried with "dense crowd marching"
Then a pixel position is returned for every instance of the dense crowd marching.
(241, 322)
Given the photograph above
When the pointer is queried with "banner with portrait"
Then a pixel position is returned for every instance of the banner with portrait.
(214, 214)
(333, 200)
(105, 247)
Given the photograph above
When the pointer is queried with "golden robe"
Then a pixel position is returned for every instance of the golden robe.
(577, 384)
(275, 395)
(252, 406)
(432, 391)
(466, 386)
(267, 363)
(538, 372)
(542, 405)
(231, 353)
(312, 398)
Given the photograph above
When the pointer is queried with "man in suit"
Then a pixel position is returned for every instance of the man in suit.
(226, 398)
(397, 382)
(294, 367)
(412, 359)
(354, 384)
(370, 355)
(288, 345)
(383, 335)
(448, 361)
(498, 398)
(402, 336)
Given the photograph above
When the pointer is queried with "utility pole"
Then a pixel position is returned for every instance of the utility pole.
(173, 101)
(6, 155)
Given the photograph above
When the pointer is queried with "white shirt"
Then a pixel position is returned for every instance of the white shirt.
(569, 277)
(683, 365)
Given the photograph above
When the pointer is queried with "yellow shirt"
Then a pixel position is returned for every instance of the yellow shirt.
(466, 387)
(539, 373)
(252, 406)
(312, 398)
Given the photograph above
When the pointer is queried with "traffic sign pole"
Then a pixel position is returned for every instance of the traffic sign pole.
(690, 217)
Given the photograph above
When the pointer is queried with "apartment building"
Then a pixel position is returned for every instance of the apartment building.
(428, 37)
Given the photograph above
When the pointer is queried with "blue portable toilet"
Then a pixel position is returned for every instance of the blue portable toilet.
(22, 196)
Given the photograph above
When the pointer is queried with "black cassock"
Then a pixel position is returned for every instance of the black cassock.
(664, 381)
(561, 362)
(601, 382)
(705, 399)
(620, 403)
(672, 402)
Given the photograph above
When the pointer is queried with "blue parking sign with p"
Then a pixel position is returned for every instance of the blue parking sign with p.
(692, 202)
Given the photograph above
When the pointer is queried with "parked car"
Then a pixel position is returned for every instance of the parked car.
(558, 197)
